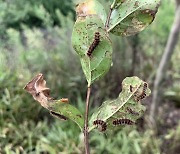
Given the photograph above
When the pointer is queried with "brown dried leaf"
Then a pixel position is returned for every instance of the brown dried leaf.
(37, 88)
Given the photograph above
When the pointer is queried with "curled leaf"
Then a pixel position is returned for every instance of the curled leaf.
(58, 108)
(37, 88)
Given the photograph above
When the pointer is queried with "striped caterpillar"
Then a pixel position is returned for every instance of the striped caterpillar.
(102, 126)
(57, 115)
(140, 93)
(131, 111)
(143, 94)
(94, 44)
(123, 122)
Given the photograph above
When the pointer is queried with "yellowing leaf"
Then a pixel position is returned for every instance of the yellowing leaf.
(91, 7)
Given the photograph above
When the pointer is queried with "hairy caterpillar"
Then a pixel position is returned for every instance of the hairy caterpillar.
(61, 117)
(94, 44)
(131, 88)
(131, 111)
(143, 94)
(100, 124)
(123, 122)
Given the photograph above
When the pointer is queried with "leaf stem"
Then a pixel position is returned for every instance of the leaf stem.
(108, 18)
(86, 134)
(109, 15)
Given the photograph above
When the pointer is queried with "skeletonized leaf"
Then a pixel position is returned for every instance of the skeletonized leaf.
(127, 106)
(83, 38)
(58, 108)
(132, 16)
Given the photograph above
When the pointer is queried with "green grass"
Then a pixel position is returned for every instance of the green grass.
(25, 127)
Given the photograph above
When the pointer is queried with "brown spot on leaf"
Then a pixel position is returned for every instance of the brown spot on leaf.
(136, 4)
(86, 8)
(64, 100)
(150, 12)
(79, 116)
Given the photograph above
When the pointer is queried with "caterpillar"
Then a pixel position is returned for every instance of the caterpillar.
(143, 94)
(131, 88)
(131, 111)
(57, 115)
(123, 122)
(101, 125)
(94, 44)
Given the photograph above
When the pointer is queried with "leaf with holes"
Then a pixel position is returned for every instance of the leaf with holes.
(58, 108)
(132, 16)
(84, 39)
(127, 106)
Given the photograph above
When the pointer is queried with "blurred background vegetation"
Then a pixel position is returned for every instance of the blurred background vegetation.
(35, 36)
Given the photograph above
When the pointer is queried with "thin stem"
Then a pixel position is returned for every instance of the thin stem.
(108, 18)
(86, 134)
(109, 15)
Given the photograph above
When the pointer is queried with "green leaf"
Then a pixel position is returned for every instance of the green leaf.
(126, 106)
(66, 111)
(83, 36)
(132, 16)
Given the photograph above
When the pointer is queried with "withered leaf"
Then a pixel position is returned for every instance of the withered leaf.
(57, 108)
(37, 88)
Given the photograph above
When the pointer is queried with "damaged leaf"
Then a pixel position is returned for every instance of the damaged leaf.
(132, 16)
(97, 63)
(58, 108)
(124, 110)
(37, 88)
(91, 7)
(91, 41)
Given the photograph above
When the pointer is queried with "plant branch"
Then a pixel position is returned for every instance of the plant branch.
(86, 134)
